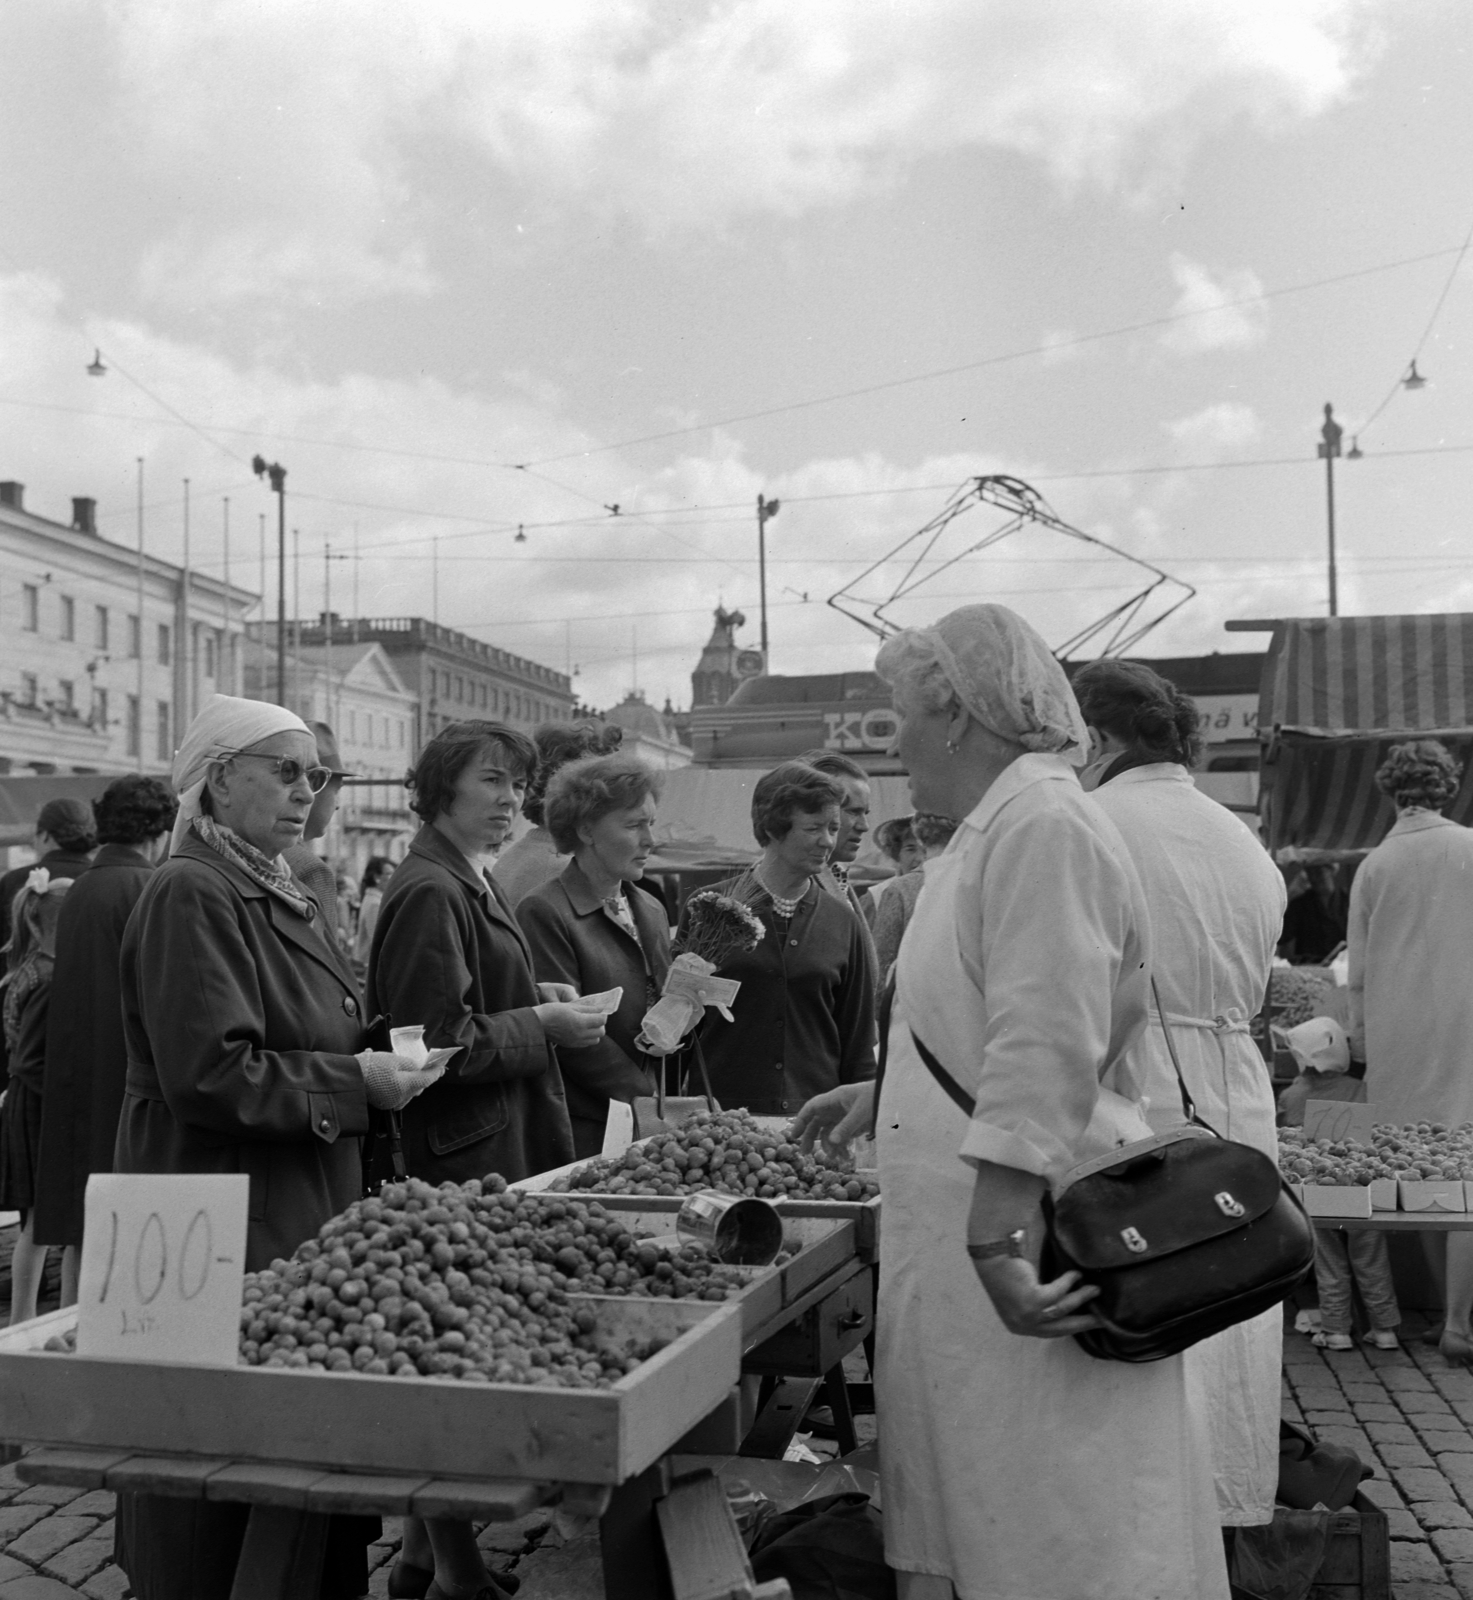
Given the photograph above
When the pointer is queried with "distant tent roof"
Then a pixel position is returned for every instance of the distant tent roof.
(1337, 693)
(1339, 677)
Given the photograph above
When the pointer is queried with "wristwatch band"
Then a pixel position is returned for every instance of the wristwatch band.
(1012, 1245)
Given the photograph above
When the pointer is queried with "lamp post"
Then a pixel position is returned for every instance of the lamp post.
(277, 474)
(1329, 449)
(766, 509)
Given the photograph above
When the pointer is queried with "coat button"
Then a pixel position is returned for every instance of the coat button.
(350, 1005)
(324, 1124)
(793, 942)
(777, 1066)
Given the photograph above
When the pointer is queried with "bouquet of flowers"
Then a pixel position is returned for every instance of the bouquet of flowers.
(715, 928)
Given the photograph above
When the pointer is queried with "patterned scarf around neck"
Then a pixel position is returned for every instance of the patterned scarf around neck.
(273, 876)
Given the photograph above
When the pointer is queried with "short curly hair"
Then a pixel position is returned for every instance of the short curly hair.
(134, 809)
(1421, 772)
(1145, 711)
(558, 743)
(785, 791)
(932, 829)
(582, 792)
(432, 779)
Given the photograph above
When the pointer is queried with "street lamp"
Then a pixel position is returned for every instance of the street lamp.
(1329, 448)
(277, 474)
(766, 509)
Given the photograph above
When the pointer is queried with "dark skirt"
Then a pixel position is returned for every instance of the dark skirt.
(20, 1146)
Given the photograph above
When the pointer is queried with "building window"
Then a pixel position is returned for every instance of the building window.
(163, 644)
(212, 653)
(166, 744)
(352, 727)
(401, 734)
(30, 689)
(68, 617)
(135, 642)
(99, 710)
(30, 608)
(66, 696)
(134, 730)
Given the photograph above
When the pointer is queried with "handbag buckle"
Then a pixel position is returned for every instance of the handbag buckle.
(1134, 1240)
(1227, 1205)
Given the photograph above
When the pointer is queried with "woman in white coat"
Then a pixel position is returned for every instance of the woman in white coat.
(1411, 1005)
(1217, 904)
(1016, 1466)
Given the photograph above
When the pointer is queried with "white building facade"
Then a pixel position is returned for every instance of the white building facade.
(104, 657)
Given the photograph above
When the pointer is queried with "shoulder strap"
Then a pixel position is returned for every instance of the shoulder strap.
(943, 1077)
(1188, 1105)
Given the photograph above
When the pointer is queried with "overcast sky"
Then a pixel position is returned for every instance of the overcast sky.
(464, 266)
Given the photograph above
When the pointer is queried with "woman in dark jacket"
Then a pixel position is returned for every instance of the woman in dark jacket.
(805, 1015)
(86, 1062)
(448, 955)
(64, 841)
(245, 1042)
(594, 928)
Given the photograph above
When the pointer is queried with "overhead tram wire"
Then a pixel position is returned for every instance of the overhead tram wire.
(702, 427)
(1400, 382)
(997, 360)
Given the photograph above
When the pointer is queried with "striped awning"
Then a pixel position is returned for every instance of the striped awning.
(1343, 676)
(1321, 794)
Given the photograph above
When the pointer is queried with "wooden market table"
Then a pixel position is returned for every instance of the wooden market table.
(1404, 1222)
(293, 1445)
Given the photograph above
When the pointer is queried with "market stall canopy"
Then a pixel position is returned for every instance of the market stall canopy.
(705, 816)
(1337, 693)
(21, 799)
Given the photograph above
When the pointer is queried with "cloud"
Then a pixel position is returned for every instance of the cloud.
(332, 128)
(1216, 431)
(1213, 315)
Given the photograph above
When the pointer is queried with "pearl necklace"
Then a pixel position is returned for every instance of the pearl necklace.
(784, 909)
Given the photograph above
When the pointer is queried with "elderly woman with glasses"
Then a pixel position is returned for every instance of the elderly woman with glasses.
(1015, 1464)
(245, 1043)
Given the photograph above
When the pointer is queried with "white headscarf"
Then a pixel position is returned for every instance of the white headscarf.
(1004, 674)
(225, 726)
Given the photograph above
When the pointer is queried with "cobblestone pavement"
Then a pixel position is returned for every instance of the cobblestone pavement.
(1406, 1412)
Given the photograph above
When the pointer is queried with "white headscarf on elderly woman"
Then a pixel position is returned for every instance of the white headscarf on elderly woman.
(226, 726)
(1001, 671)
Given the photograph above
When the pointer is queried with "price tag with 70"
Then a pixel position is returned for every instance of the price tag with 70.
(1340, 1119)
(162, 1261)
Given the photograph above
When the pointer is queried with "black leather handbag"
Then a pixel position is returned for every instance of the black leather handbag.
(1184, 1234)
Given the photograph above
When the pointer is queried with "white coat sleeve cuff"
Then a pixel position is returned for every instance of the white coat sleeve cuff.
(1026, 1148)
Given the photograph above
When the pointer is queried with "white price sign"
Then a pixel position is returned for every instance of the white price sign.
(162, 1261)
(1340, 1119)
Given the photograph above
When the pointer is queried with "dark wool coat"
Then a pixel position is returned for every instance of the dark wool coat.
(86, 1060)
(575, 939)
(60, 864)
(805, 1016)
(242, 1025)
(448, 954)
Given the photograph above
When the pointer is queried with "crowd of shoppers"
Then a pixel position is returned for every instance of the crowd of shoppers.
(197, 996)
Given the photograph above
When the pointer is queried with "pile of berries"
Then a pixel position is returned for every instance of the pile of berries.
(1421, 1150)
(466, 1281)
(727, 1151)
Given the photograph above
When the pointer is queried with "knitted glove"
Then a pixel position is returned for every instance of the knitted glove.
(391, 1081)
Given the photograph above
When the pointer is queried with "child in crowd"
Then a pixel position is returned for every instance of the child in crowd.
(30, 960)
(1343, 1258)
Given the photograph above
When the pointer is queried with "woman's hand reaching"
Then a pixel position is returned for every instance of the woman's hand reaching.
(839, 1116)
(1033, 1309)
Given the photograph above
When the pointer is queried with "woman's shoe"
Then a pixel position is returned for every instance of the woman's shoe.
(1332, 1341)
(409, 1582)
(1456, 1348)
(1383, 1339)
